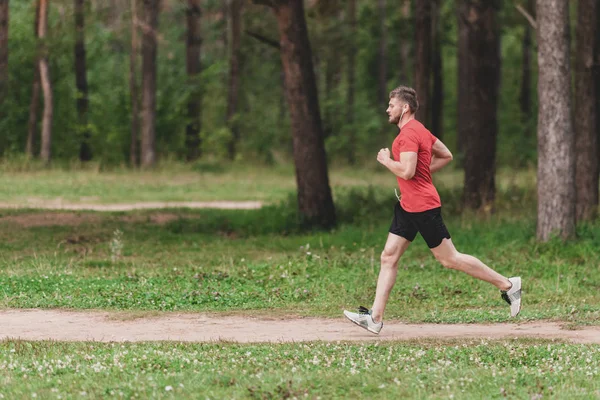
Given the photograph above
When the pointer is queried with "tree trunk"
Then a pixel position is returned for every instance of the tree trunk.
(149, 39)
(423, 13)
(234, 75)
(35, 94)
(525, 95)
(46, 145)
(462, 123)
(351, 55)
(193, 69)
(586, 146)
(383, 92)
(134, 88)
(315, 202)
(556, 140)
(481, 86)
(437, 96)
(405, 43)
(4, 21)
(85, 151)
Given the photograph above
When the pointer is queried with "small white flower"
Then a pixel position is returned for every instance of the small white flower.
(168, 388)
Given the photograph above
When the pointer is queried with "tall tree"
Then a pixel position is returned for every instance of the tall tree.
(35, 93)
(85, 150)
(235, 12)
(437, 95)
(46, 145)
(556, 140)
(525, 92)
(478, 19)
(149, 49)
(351, 57)
(586, 146)
(134, 159)
(382, 59)
(405, 44)
(193, 68)
(4, 19)
(315, 202)
(423, 15)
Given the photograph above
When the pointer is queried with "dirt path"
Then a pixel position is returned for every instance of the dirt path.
(107, 327)
(151, 205)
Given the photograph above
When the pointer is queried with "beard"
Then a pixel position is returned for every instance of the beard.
(394, 120)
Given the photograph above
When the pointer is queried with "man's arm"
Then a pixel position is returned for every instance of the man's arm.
(405, 168)
(440, 156)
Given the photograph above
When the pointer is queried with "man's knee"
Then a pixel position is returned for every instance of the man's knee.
(390, 256)
(449, 261)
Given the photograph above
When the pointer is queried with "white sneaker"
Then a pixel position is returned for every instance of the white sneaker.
(364, 319)
(513, 296)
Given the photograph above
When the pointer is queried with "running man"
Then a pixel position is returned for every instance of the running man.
(416, 155)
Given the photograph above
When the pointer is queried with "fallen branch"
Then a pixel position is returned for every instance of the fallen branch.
(528, 16)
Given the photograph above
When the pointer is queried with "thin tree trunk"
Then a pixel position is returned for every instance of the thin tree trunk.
(46, 145)
(4, 23)
(85, 151)
(383, 92)
(193, 69)
(234, 75)
(479, 133)
(462, 123)
(149, 39)
(351, 55)
(405, 43)
(556, 139)
(423, 14)
(34, 105)
(33, 114)
(315, 203)
(134, 159)
(525, 95)
(586, 146)
(437, 96)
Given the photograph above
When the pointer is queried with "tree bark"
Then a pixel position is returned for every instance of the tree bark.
(134, 87)
(405, 43)
(149, 50)
(234, 75)
(46, 145)
(437, 96)
(586, 146)
(481, 58)
(85, 150)
(556, 141)
(423, 13)
(35, 94)
(315, 202)
(383, 92)
(351, 57)
(525, 93)
(4, 23)
(193, 69)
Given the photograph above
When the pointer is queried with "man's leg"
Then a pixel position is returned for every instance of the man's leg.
(449, 257)
(395, 246)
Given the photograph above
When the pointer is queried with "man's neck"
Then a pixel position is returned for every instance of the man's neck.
(405, 121)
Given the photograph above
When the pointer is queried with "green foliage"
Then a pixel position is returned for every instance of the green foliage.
(262, 117)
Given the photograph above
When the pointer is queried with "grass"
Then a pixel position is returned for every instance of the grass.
(203, 182)
(228, 261)
(517, 369)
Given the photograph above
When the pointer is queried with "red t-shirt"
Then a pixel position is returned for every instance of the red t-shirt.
(418, 193)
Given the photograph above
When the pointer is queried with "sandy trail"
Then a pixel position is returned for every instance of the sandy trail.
(103, 326)
(151, 205)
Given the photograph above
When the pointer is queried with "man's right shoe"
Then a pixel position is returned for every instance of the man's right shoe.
(513, 296)
(364, 319)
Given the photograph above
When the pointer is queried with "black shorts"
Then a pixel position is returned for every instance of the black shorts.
(428, 223)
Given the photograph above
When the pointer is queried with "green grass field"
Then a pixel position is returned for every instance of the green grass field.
(262, 262)
(459, 370)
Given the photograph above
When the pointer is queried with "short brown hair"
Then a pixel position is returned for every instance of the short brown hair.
(408, 95)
